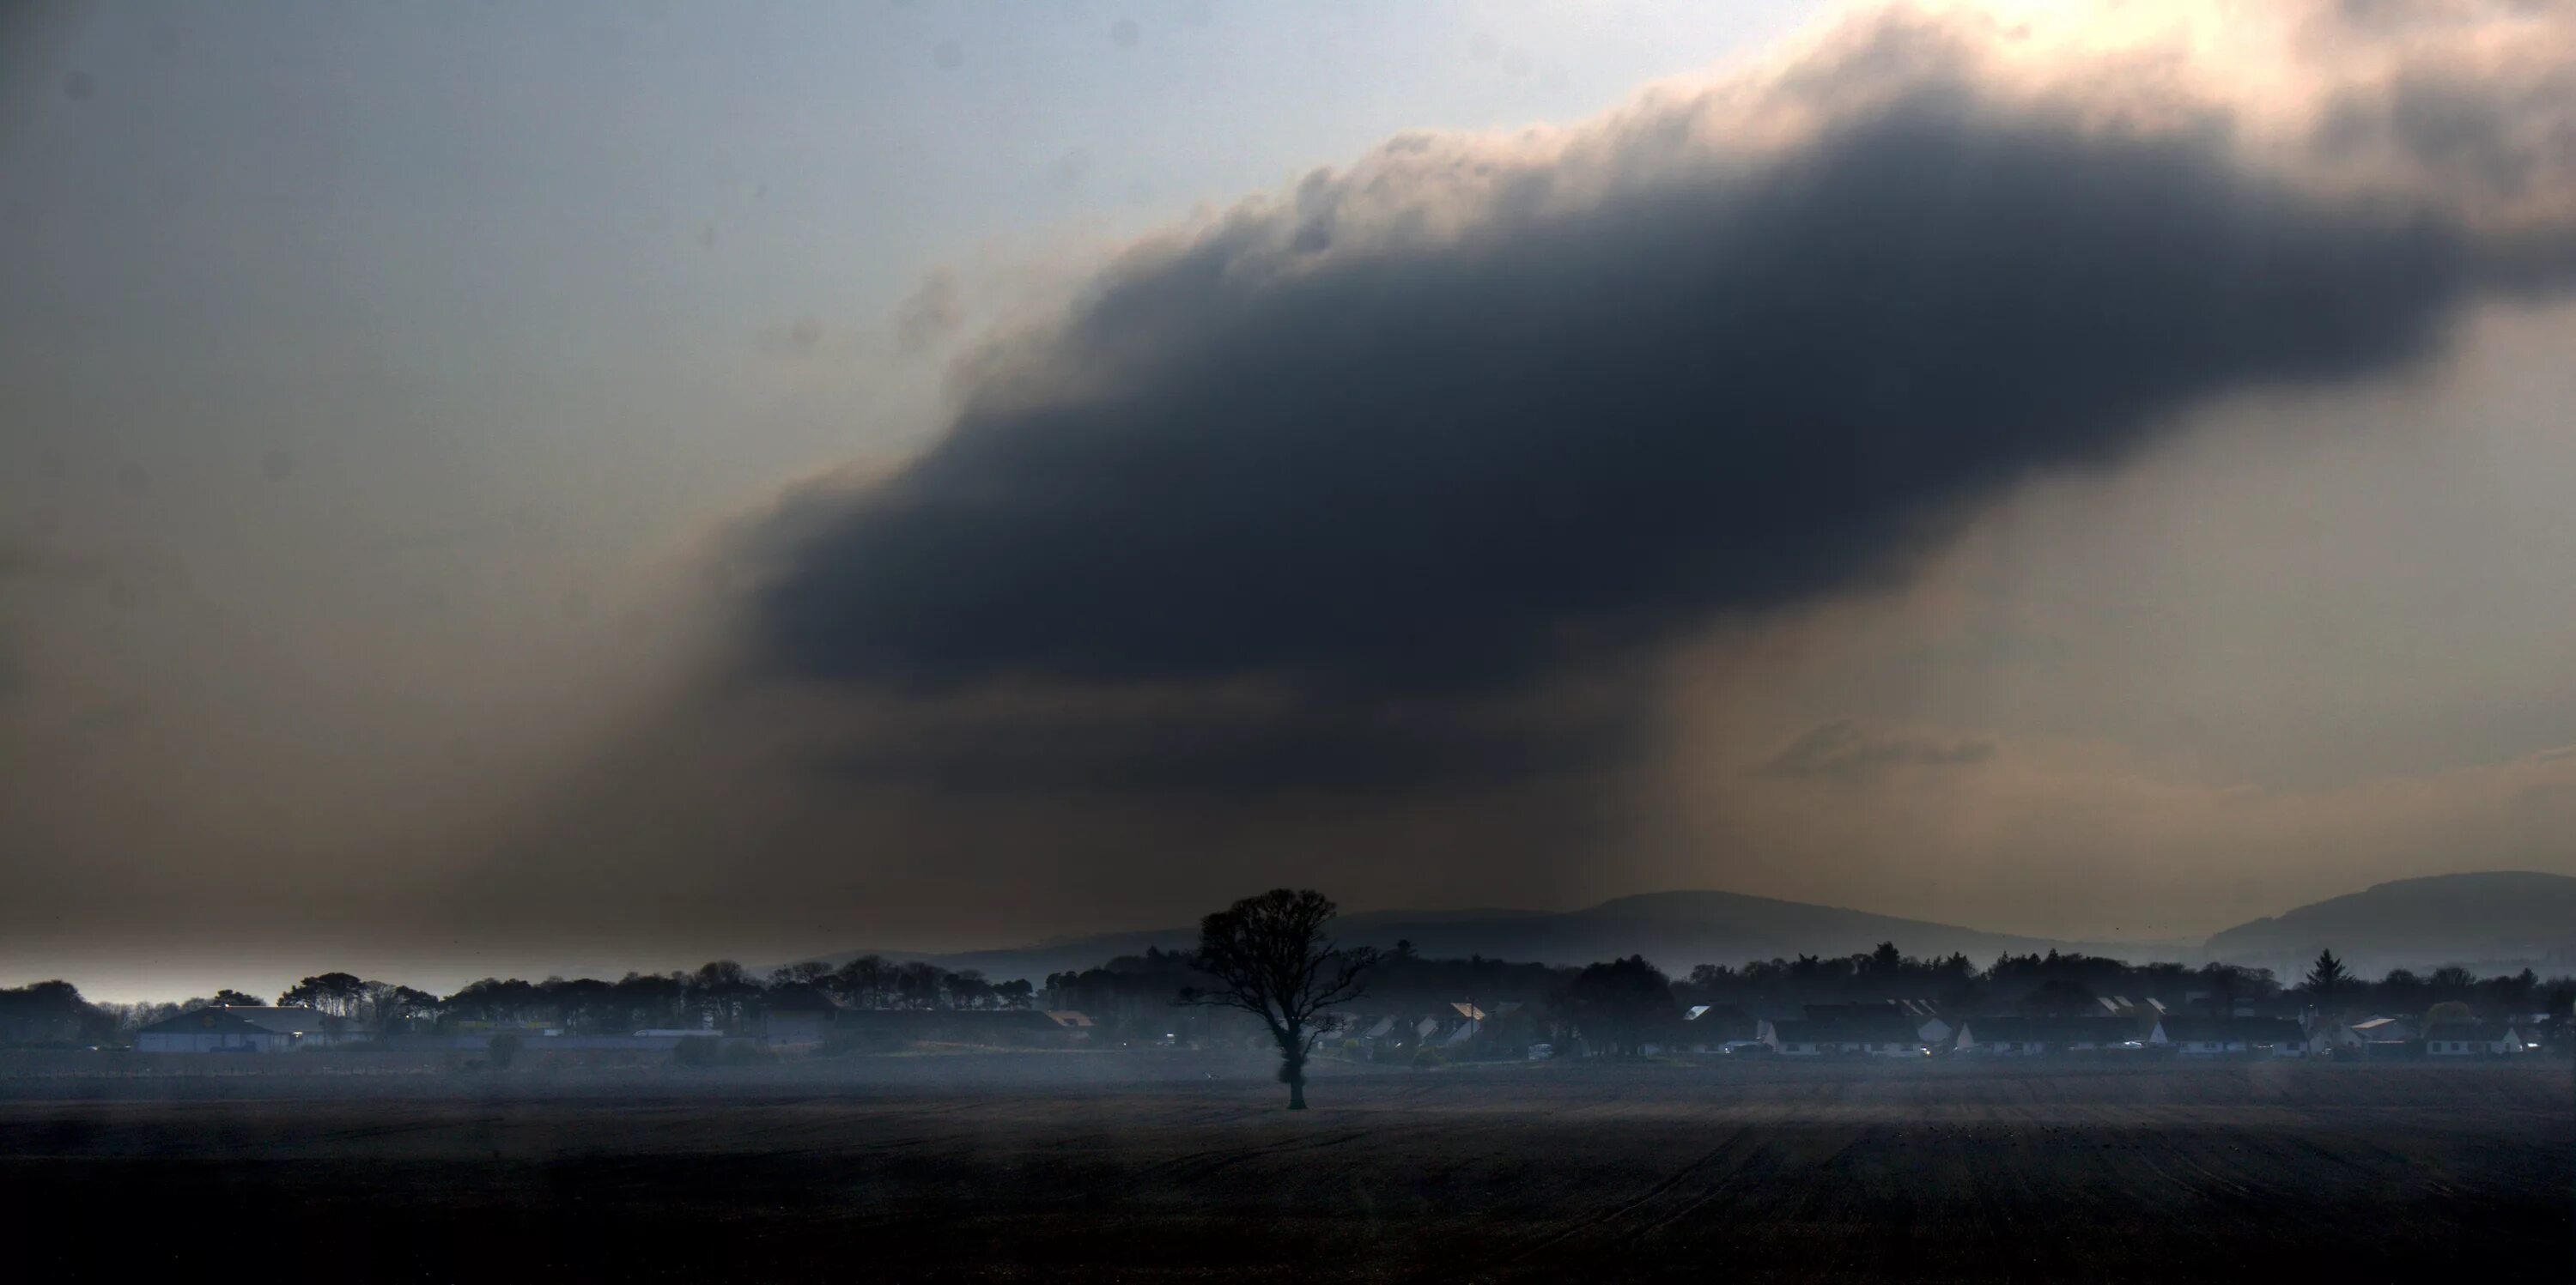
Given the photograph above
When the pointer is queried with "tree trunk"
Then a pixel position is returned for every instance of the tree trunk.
(1293, 1070)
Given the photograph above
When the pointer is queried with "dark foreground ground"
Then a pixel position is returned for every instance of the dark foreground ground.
(898, 1172)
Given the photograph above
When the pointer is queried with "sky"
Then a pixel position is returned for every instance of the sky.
(567, 488)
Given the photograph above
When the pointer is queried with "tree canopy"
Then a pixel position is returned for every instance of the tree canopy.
(1270, 957)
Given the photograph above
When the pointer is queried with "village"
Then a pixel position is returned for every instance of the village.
(1421, 1013)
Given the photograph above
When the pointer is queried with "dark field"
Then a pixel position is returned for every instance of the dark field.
(879, 1170)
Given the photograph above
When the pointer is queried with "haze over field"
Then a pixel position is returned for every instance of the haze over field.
(597, 485)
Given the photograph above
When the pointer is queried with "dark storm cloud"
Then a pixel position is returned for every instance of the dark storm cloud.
(1446, 466)
(1464, 466)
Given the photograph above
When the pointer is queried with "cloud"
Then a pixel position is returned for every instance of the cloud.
(1497, 521)
(930, 314)
(1479, 416)
(1843, 751)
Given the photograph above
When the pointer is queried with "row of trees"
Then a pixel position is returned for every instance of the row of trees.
(1272, 956)
(723, 994)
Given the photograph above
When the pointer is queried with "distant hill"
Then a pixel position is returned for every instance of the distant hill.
(2493, 919)
(1674, 929)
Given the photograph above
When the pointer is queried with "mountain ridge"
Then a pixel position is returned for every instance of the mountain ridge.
(2489, 917)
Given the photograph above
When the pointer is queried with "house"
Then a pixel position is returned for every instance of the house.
(2219, 1036)
(1928, 1022)
(2328, 1037)
(1797, 1037)
(2013, 1036)
(1919, 1017)
(2473, 1039)
(1886, 1033)
(2381, 1030)
(237, 1029)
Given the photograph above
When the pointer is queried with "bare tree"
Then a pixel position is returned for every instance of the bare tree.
(1274, 961)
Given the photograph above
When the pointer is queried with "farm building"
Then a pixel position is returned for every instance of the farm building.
(241, 1029)
(2473, 1039)
(2216, 1036)
(1884, 1034)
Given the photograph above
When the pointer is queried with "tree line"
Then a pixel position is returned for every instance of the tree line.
(722, 994)
(1272, 960)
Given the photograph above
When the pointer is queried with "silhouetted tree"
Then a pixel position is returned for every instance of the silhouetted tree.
(2451, 982)
(1622, 1005)
(2561, 999)
(860, 983)
(2326, 977)
(724, 989)
(2400, 990)
(49, 1012)
(337, 994)
(1272, 959)
(2060, 997)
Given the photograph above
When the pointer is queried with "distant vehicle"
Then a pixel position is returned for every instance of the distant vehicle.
(1751, 1048)
(1541, 1052)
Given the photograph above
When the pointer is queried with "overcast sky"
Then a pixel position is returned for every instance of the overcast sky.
(513, 488)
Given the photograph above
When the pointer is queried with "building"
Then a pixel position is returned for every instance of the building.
(242, 1029)
(1885, 1033)
(2243, 1036)
(1921, 1017)
(2474, 1039)
(2012, 1036)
